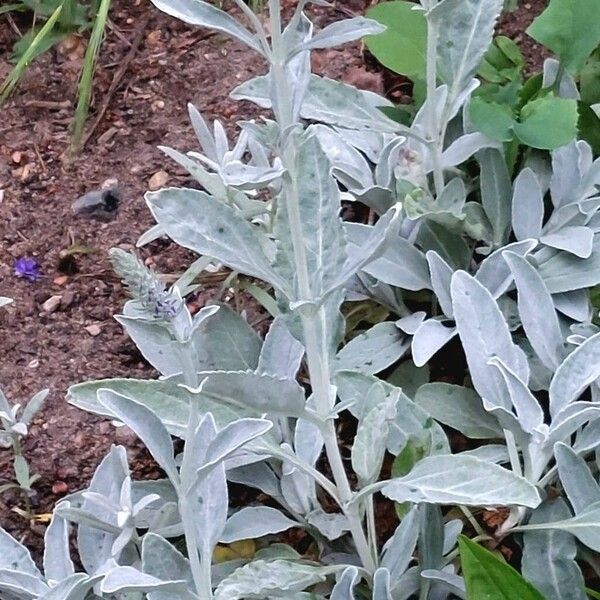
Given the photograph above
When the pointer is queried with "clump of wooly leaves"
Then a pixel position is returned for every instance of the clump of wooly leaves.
(503, 266)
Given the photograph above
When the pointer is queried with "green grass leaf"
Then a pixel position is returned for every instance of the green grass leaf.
(489, 578)
(402, 47)
(570, 28)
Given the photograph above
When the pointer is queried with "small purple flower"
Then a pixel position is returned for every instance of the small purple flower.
(27, 268)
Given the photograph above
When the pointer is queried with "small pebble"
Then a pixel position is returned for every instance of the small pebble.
(158, 180)
(94, 330)
(52, 304)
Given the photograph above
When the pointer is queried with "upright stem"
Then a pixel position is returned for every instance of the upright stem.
(433, 134)
(317, 354)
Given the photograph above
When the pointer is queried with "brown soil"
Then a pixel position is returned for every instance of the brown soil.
(173, 65)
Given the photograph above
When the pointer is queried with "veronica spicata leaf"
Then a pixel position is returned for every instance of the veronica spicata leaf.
(146, 425)
(484, 335)
(324, 245)
(579, 484)
(197, 12)
(128, 579)
(430, 337)
(261, 578)
(399, 549)
(527, 206)
(460, 408)
(197, 221)
(549, 556)
(342, 32)
(565, 272)
(537, 311)
(57, 558)
(254, 522)
(465, 29)
(344, 587)
(456, 479)
(487, 576)
(570, 28)
(496, 190)
(374, 350)
(579, 369)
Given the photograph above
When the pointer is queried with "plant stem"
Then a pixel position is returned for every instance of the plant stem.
(372, 528)
(433, 134)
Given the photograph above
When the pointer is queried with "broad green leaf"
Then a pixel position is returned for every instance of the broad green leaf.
(465, 29)
(577, 372)
(456, 479)
(203, 14)
(570, 28)
(487, 577)
(548, 123)
(491, 118)
(458, 407)
(201, 223)
(254, 522)
(549, 556)
(261, 578)
(402, 46)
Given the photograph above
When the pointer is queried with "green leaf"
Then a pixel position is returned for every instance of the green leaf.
(570, 28)
(589, 125)
(402, 47)
(592, 593)
(489, 578)
(493, 119)
(548, 123)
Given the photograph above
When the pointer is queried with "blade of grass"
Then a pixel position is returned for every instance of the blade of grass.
(17, 71)
(12, 8)
(84, 90)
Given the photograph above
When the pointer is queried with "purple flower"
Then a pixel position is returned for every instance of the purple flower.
(27, 268)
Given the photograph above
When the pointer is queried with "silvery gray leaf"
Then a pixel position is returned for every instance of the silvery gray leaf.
(576, 240)
(260, 578)
(567, 87)
(527, 206)
(576, 305)
(381, 585)
(441, 276)
(496, 188)
(16, 585)
(585, 526)
(485, 335)
(571, 418)
(464, 147)
(411, 323)
(249, 177)
(458, 407)
(197, 12)
(369, 445)
(465, 30)
(430, 337)
(549, 556)
(331, 102)
(374, 350)
(431, 536)
(452, 529)
(494, 453)
(254, 522)
(565, 272)
(281, 353)
(446, 583)
(197, 221)
(579, 484)
(450, 246)
(577, 372)
(528, 410)
(146, 425)
(494, 272)
(342, 32)
(129, 579)
(331, 525)
(75, 587)
(537, 312)
(399, 549)
(344, 587)
(57, 559)
(456, 479)
(162, 560)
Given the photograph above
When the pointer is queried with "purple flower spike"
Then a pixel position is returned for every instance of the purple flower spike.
(27, 268)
